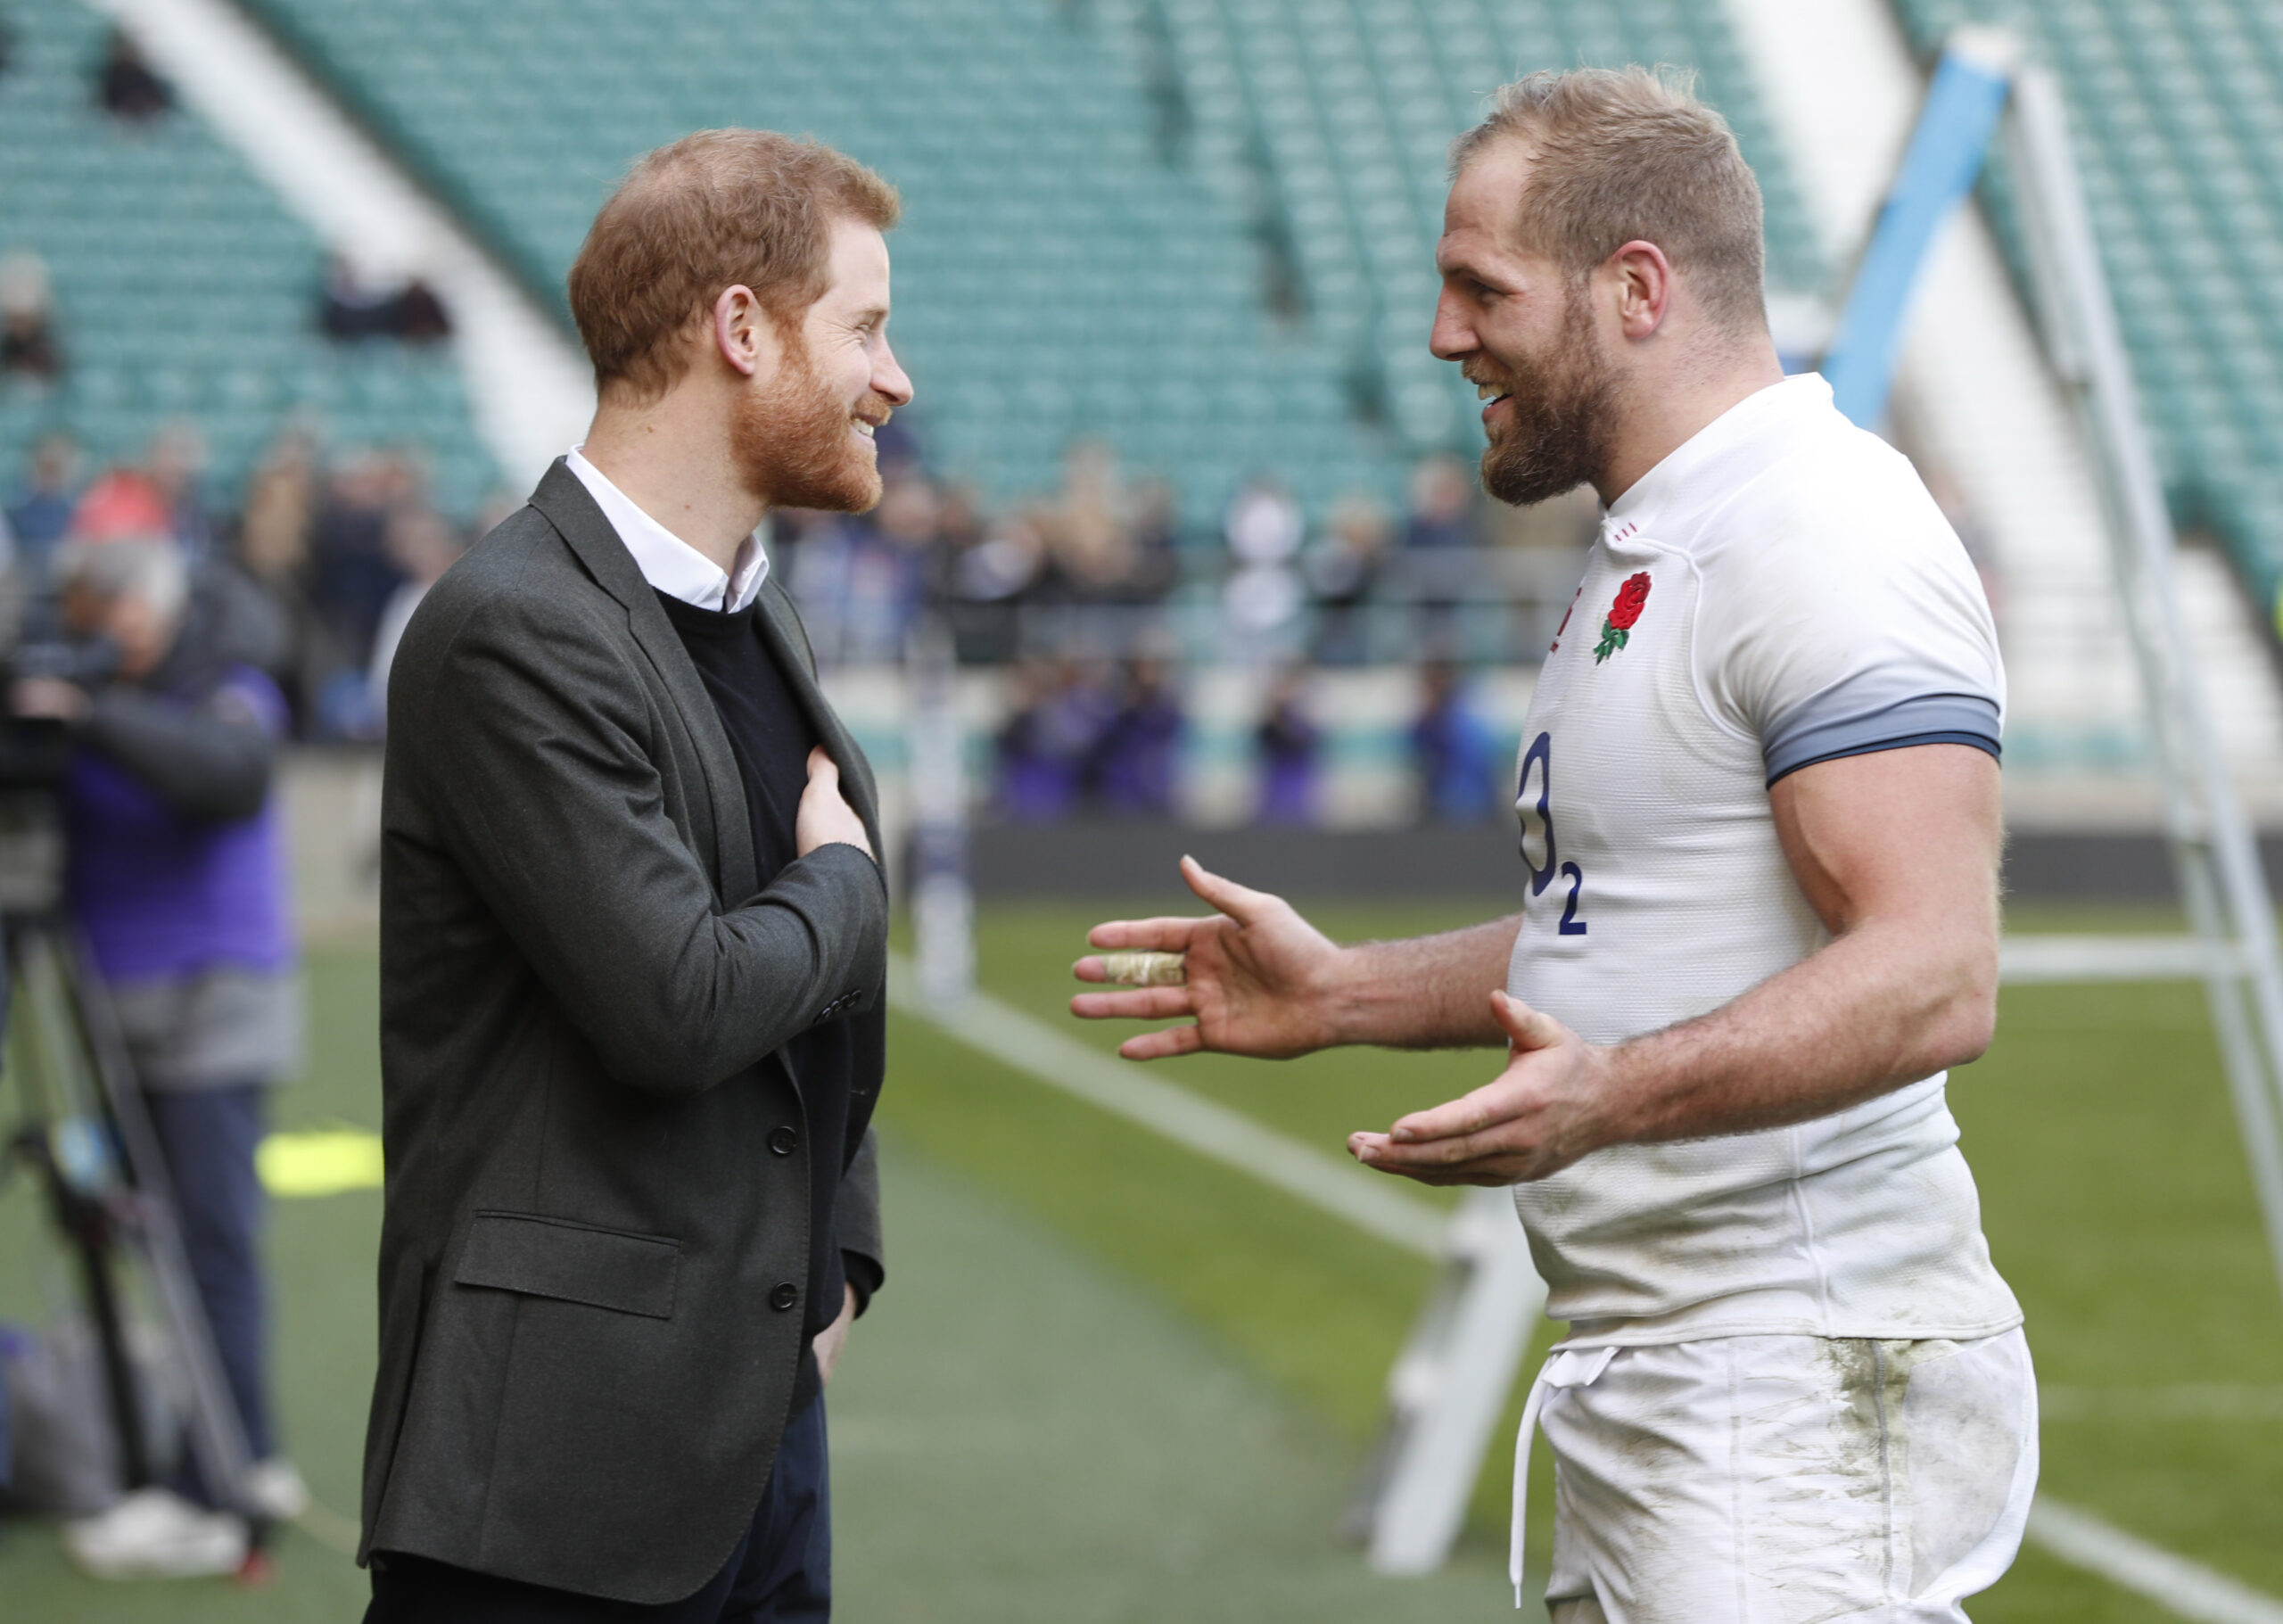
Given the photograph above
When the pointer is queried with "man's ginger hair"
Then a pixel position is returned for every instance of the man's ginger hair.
(1619, 154)
(719, 209)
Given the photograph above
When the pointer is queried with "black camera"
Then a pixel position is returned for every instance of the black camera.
(35, 753)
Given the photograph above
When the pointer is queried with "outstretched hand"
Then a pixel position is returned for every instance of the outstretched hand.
(1261, 980)
(1548, 1108)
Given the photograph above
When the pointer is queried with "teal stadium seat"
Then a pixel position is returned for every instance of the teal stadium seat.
(1057, 276)
(183, 290)
(2178, 112)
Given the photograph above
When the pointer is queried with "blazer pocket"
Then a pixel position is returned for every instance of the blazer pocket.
(604, 1269)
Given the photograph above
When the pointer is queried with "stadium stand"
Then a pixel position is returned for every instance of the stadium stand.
(1054, 278)
(2176, 112)
(183, 290)
(1338, 116)
(1201, 229)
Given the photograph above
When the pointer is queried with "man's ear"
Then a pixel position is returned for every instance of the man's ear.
(1645, 287)
(743, 335)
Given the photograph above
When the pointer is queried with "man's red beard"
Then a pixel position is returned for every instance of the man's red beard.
(1559, 408)
(795, 444)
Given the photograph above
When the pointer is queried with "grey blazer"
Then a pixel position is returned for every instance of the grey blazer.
(596, 1231)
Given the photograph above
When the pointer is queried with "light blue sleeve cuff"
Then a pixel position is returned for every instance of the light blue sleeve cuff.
(1811, 734)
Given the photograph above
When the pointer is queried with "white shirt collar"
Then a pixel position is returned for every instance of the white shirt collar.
(667, 562)
(1710, 464)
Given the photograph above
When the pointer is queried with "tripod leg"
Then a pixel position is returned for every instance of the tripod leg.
(101, 1290)
(74, 1200)
(217, 1440)
(80, 1216)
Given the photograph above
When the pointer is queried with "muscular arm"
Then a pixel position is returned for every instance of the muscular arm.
(1263, 981)
(1428, 992)
(1897, 851)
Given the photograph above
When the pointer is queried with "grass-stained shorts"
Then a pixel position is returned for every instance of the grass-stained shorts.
(1785, 1480)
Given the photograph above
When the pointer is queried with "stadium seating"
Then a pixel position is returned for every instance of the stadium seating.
(1100, 193)
(1053, 278)
(184, 292)
(2177, 110)
(1346, 109)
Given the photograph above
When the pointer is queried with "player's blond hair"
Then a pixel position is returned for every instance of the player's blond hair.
(1620, 154)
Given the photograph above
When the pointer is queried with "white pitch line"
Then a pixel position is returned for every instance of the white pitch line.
(1367, 1200)
(2181, 1587)
(2049, 959)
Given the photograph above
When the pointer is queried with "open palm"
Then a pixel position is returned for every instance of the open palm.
(1258, 976)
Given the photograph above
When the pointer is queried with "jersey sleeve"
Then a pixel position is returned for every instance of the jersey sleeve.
(1844, 628)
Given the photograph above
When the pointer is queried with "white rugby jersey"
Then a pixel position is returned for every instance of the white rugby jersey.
(1778, 591)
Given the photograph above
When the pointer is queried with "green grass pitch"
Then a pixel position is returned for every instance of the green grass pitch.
(1109, 1381)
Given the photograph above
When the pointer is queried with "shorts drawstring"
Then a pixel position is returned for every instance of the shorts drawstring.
(1568, 1367)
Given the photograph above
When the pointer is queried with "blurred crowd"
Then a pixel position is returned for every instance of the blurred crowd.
(337, 550)
(1093, 564)
(1094, 596)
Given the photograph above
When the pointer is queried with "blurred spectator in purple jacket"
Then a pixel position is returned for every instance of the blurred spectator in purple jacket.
(1137, 759)
(1288, 743)
(175, 872)
(1048, 742)
(1450, 751)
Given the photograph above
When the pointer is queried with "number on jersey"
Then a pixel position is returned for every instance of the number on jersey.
(1539, 855)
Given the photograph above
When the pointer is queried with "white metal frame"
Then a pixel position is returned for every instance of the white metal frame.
(2213, 849)
(1447, 1388)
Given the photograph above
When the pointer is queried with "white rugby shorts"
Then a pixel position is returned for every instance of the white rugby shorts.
(1783, 1479)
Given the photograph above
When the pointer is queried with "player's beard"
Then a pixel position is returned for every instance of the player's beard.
(1559, 408)
(794, 445)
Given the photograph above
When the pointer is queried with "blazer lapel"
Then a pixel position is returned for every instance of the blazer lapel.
(780, 624)
(575, 518)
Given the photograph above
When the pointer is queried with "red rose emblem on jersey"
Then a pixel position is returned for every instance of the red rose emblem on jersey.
(1617, 627)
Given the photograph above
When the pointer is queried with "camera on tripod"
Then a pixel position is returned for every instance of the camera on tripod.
(34, 755)
(81, 1126)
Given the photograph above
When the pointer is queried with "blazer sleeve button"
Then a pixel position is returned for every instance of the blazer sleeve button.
(783, 1142)
(784, 1296)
